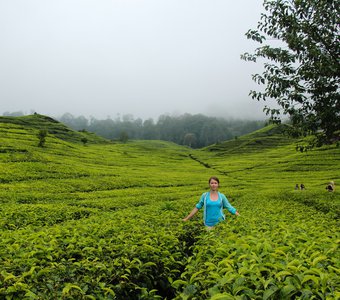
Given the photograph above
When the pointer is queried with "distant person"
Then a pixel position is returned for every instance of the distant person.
(213, 203)
(297, 187)
(302, 186)
(330, 186)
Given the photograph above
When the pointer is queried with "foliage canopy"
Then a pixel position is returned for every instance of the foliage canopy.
(303, 74)
(196, 131)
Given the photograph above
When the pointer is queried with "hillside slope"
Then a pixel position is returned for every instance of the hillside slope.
(65, 165)
(104, 220)
(269, 160)
(38, 122)
(268, 137)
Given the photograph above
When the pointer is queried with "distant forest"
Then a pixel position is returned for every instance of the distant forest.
(195, 131)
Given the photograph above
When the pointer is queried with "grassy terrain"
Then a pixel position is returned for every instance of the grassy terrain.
(103, 220)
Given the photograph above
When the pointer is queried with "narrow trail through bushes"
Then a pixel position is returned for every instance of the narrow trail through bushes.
(206, 165)
(189, 239)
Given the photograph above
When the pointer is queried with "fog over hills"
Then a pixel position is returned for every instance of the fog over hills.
(144, 58)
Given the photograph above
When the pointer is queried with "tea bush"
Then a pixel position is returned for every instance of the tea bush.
(104, 221)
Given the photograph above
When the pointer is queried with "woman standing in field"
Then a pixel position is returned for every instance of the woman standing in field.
(213, 203)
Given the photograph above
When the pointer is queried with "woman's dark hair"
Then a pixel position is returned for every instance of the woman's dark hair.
(214, 178)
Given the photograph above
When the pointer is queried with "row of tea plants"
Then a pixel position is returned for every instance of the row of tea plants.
(103, 221)
(277, 249)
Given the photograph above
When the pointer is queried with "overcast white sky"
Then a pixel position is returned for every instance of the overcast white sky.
(142, 57)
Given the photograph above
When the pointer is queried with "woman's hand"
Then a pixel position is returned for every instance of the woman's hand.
(192, 213)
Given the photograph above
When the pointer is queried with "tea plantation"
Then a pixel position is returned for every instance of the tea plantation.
(103, 219)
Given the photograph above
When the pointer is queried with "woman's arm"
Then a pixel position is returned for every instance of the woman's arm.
(228, 206)
(192, 213)
(198, 206)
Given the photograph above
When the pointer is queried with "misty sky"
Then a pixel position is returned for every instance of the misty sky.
(102, 58)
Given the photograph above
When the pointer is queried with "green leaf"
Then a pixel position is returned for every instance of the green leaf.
(318, 259)
(336, 270)
(214, 290)
(270, 293)
(9, 277)
(150, 264)
(29, 273)
(210, 266)
(313, 271)
(287, 291)
(69, 287)
(177, 283)
(31, 295)
(306, 294)
(312, 278)
(282, 275)
(193, 276)
(108, 291)
(239, 289)
(223, 296)
(227, 279)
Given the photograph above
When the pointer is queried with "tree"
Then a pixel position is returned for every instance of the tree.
(189, 139)
(302, 75)
(42, 137)
(84, 140)
(150, 130)
(123, 137)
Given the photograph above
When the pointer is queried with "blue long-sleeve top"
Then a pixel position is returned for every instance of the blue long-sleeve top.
(213, 209)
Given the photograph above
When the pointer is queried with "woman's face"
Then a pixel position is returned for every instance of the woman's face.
(213, 185)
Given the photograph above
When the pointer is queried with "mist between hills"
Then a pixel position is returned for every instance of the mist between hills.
(195, 131)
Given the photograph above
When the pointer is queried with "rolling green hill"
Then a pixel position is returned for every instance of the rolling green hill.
(269, 159)
(37, 122)
(104, 220)
(265, 138)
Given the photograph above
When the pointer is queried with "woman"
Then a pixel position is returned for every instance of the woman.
(213, 203)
